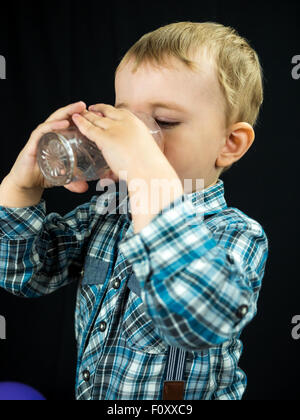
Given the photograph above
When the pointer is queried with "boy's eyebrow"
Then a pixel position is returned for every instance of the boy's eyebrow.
(168, 105)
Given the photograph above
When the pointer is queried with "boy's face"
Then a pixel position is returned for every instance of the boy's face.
(192, 144)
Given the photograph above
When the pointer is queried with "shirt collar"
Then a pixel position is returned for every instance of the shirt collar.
(208, 201)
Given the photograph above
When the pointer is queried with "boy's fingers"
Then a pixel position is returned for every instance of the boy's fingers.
(97, 113)
(107, 110)
(101, 122)
(43, 129)
(77, 187)
(87, 128)
(51, 125)
(67, 111)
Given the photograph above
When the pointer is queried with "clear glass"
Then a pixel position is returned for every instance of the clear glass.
(67, 155)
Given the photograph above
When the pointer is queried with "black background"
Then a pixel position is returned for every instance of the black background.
(62, 52)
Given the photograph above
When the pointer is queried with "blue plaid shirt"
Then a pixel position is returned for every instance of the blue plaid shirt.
(189, 279)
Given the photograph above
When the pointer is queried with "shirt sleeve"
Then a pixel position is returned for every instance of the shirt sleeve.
(199, 285)
(40, 253)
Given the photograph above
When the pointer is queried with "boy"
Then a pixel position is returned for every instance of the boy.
(163, 294)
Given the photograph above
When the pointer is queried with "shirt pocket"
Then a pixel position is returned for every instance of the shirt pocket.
(93, 278)
(138, 329)
(94, 272)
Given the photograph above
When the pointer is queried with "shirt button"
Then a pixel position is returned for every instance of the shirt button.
(242, 311)
(229, 259)
(116, 283)
(102, 326)
(86, 375)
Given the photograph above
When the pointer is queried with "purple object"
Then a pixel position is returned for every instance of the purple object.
(18, 391)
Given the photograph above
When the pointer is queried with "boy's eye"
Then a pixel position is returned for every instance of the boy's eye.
(166, 124)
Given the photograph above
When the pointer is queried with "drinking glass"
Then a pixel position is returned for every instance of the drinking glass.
(67, 155)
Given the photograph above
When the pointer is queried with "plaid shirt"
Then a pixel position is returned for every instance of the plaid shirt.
(189, 279)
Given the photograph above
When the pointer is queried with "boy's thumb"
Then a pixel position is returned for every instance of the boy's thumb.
(77, 186)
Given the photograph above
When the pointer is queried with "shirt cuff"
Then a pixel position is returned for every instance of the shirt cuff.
(22, 222)
(173, 239)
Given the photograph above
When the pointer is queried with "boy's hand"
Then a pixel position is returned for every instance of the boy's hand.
(124, 140)
(25, 174)
(127, 145)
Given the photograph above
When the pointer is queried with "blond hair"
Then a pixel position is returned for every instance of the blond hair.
(238, 68)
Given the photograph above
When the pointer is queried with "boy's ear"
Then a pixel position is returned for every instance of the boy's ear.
(239, 139)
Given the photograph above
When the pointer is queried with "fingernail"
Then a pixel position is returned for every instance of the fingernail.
(92, 107)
